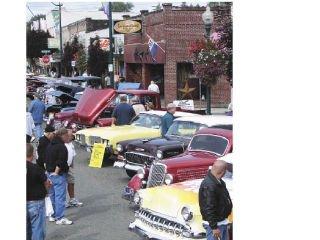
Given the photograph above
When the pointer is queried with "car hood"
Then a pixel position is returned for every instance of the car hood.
(65, 97)
(170, 199)
(154, 142)
(111, 132)
(190, 159)
(92, 103)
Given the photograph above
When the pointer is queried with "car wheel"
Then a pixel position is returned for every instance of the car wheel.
(131, 173)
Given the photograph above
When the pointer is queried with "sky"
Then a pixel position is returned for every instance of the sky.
(45, 7)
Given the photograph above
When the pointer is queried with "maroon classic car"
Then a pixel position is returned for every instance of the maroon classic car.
(205, 147)
(95, 107)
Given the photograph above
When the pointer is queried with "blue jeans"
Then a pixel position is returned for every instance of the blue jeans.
(36, 220)
(39, 130)
(223, 232)
(58, 195)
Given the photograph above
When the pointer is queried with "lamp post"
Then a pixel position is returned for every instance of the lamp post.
(110, 66)
(207, 18)
(60, 33)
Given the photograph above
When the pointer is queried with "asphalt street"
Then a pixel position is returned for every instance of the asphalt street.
(104, 215)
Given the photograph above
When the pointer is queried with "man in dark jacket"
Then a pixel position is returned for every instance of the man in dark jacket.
(215, 202)
(77, 89)
(168, 118)
(56, 161)
(43, 144)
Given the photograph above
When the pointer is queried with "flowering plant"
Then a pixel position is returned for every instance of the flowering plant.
(210, 59)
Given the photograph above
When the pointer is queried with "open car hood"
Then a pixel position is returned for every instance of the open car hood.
(65, 97)
(92, 103)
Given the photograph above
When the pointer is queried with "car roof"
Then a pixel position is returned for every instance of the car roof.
(162, 113)
(132, 91)
(209, 120)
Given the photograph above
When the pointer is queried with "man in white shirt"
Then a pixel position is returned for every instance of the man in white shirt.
(153, 87)
(70, 175)
(108, 81)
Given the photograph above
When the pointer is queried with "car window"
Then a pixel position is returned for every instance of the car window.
(184, 129)
(147, 120)
(145, 99)
(209, 143)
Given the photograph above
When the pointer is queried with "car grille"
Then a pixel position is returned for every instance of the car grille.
(160, 222)
(157, 175)
(139, 159)
(189, 174)
(94, 139)
(83, 139)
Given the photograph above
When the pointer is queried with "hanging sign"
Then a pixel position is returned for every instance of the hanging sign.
(127, 26)
(97, 155)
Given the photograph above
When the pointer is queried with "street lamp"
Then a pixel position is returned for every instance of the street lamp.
(207, 18)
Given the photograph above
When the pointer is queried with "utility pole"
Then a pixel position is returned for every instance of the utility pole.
(110, 67)
(60, 30)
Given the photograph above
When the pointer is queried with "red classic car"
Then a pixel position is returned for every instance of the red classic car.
(205, 147)
(95, 107)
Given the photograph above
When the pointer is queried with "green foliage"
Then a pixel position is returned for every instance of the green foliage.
(69, 52)
(34, 18)
(81, 61)
(157, 7)
(98, 58)
(120, 7)
(36, 41)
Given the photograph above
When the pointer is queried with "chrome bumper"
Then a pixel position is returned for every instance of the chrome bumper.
(119, 164)
(131, 167)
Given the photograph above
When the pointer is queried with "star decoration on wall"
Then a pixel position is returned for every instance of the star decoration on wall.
(186, 91)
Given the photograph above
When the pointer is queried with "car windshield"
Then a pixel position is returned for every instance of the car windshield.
(184, 129)
(209, 143)
(147, 120)
(129, 97)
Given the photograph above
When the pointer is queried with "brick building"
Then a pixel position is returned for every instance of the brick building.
(173, 28)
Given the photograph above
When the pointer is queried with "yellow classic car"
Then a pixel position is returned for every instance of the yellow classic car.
(144, 125)
(172, 211)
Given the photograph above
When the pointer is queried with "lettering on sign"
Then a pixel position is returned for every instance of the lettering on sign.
(97, 155)
(127, 26)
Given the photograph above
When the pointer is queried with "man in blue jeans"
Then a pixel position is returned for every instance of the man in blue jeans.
(37, 109)
(57, 166)
(37, 188)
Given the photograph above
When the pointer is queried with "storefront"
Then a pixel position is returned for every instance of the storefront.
(173, 29)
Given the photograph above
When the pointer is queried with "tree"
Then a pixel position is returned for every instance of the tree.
(68, 55)
(36, 41)
(34, 18)
(120, 7)
(157, 7)
(81, 61)
(98, 59)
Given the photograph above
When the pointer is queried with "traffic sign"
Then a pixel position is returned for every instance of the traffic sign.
(46, 51)
(46, 59)
(73, 63)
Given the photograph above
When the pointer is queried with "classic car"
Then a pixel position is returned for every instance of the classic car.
(32, 85)
(140, 153)
(90, 81)
(205, 147)
(146, 124)
(173, 212)
(63, 100)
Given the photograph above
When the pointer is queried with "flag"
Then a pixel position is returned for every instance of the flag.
(106, 9)
(153, 46)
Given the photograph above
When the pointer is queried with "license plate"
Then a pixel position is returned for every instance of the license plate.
(128, 191)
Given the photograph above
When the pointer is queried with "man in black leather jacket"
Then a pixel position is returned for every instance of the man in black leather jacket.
(215, 202)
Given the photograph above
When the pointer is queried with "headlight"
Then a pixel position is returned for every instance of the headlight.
(159, 154)
(168, 179)
(105, 142)
(137, 198)
(119, 148)
(186, 213)
(73, 125)
(141, 173)
(66, 123)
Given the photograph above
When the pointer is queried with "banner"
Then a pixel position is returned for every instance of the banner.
(97, 155)
(56, 18)
(127, 26)
(106, 9)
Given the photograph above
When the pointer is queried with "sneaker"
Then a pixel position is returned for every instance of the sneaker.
(52, 219)
(68, 204)
(63, 221)
(75, 203)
